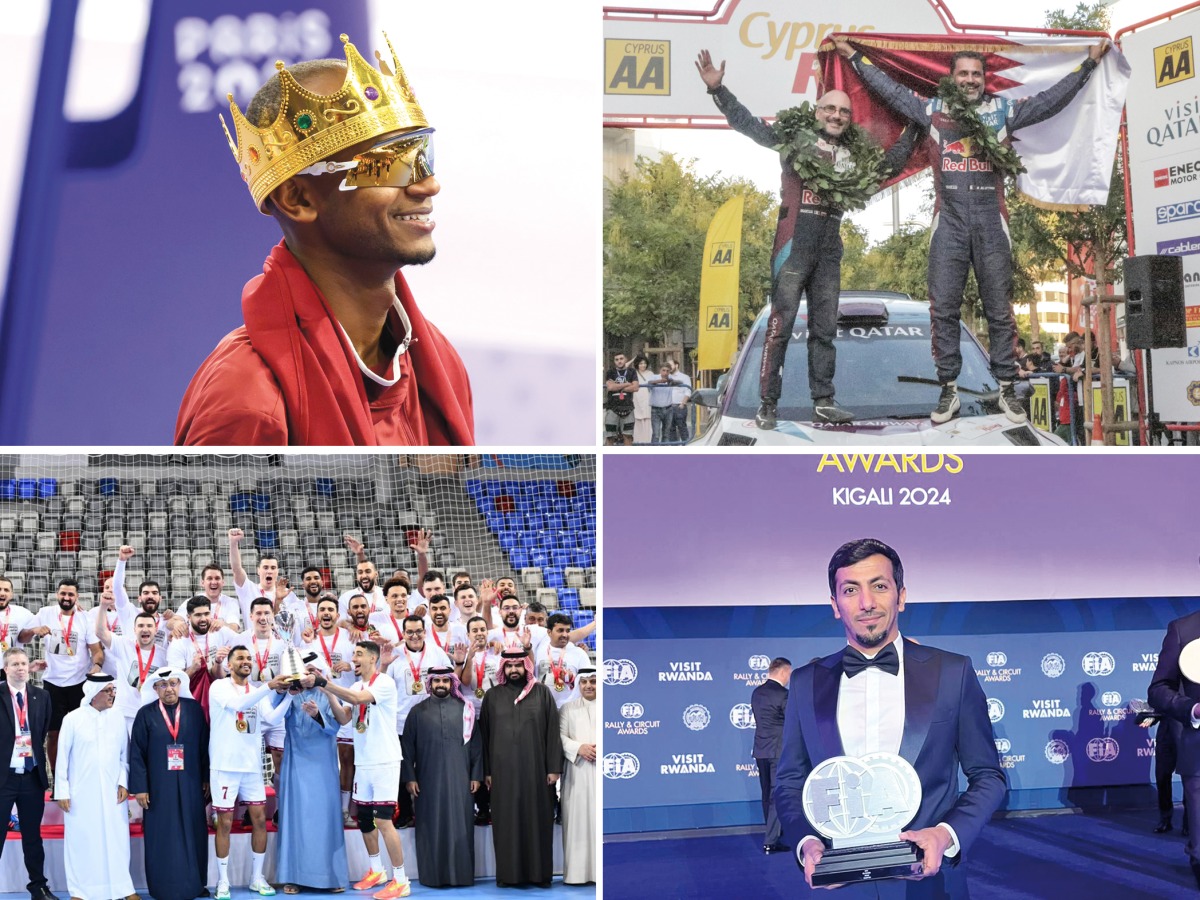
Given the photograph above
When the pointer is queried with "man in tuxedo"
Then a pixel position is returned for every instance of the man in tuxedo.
(768, 702)
(1176, 694)
(23, 728)
(885, 694)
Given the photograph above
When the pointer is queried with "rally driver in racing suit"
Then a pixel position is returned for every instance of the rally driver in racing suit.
(807, 255)
(970, 218)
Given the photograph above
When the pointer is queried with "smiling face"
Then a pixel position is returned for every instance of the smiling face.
(313, 585)
(68, 596)
(587, 687)
(439, 685)
(366, 575)
(414, 636)
(833, 113)
(867, 602)
(240, 664)
(510, 611)
(327, 611)
(213, 580)
(439, 612)
(149, 598)
(467, 601)
(968, 74)
(359, 611)
(397, 600)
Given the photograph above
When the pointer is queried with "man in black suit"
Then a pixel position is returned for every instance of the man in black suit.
(1175, 692)
(768, 702)
(885, 694)
(23, 727)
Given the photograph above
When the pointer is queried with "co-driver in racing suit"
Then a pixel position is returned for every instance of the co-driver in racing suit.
(807, 255)
(970, 219)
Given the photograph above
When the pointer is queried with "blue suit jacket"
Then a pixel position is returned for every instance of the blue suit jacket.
(946, 728)
(1174, 695)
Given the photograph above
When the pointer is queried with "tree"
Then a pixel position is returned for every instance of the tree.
(654, 230)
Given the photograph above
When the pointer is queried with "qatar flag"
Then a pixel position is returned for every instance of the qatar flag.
(1069, 157)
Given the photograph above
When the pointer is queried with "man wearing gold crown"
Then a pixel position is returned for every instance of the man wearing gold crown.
(334, 350)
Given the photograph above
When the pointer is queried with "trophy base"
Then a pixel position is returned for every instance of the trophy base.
(872, 862)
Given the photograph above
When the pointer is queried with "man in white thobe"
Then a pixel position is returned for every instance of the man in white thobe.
(90, 786)
(577, 724)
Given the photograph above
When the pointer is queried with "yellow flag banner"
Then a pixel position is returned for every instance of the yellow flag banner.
(717, 340)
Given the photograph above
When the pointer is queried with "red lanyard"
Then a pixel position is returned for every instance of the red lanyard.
(311, 617)
(174, 731)
(328, 651)
(480, 669)
(22, 712)
(196, 644)
(557, 670)
(70, 626)
(441, 646)
(362, 707)
(262, 659)
(416, 670)
(143, 671)
(396, 625)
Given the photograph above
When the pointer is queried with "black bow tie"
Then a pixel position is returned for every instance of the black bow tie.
(887, 659)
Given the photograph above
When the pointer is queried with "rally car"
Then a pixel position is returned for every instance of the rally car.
(885, 377)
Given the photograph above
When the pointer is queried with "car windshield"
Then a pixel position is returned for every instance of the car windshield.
(883, 371)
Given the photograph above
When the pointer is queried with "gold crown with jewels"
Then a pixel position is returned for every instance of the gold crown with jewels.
(311, 127)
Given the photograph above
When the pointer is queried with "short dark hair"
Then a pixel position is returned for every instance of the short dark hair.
(559, 619)
(412, 618)
(433, 575)
(778, 663)
(6, 579)
(149, 583)
(439, 598)
(69, 582)
(370, 646)
(967, 54)
(474, 619)
(269, 554)
(394, 581)
(261, 601)
(145, 615)
(534, 606)
(326, 598)
(853, 552)
(461, 573)
(308, 569)
(196, 602)
(236, 647)
(213, 566)
(464, 587)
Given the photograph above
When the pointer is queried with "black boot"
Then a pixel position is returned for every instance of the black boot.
(1164, 825)
(766, 415)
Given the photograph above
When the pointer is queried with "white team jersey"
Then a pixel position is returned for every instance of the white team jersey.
(390, 628)
(181, 652)
(228, 610)
(264, 655)
(67, 655)
(378, 744)
(486, 664)
(375, 599)
(234, 747)
(114, 620)
(569, 660)
(330, 650)
(249, 591)
(401, 670)
(13, 620)
(455, 634)
(131, 669)
(511, 640)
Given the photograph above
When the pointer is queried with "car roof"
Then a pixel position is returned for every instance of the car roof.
(895, 307)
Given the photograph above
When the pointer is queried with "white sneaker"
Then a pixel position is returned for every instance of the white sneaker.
(262, 888)
(222, 891)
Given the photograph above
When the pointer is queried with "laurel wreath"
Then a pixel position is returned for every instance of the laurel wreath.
(1004, 159)
(797, 131)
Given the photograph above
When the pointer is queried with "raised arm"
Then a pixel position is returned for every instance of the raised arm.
(119, 595)
(895, 96)
(739, 118)
(897, 155)
(1055, 98)
(235, 556)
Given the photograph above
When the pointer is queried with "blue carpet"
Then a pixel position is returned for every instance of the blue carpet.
(482, 890)
(1093, 855)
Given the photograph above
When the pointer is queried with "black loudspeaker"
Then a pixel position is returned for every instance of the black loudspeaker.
(1154, 315)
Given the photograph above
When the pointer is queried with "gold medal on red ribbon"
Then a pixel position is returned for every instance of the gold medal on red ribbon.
(241, 723)
(558, 685)
(417, 687)
(361, 727)
(70, 650)
(479, 692)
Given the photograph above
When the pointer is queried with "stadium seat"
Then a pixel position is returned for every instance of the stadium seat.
(553, 576)
(574, 576)
(531, 578)
(47, 487)
(587, 597)
(8, 489)
(41, 561)
(26, 488)
(181, 585)
(46, 540)
(562, 558)
(37, 583)
(548, 597)
(539, 558)
(108, 487)
(518, 558)
(88, 561)
(568, 598)
(29, 522)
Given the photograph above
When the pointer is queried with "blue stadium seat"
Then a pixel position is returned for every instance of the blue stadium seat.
(26, 488)
(325, 487)
(267, 539)
(540, 558)
(507, 539)
(47, 487)
(519, 558)
(8, 489)
(553, 576)
(260, 502)
(562, 558)
(109, 487)
(239, 503)
(568, 598)
(584, 558)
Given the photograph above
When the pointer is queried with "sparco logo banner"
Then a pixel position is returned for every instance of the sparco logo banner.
(741, 716)
(1098, 663)
(619, 672)
(621, 765)
(1177, 212)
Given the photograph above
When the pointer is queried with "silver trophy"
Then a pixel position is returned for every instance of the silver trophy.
(291, 666)
(861, 804)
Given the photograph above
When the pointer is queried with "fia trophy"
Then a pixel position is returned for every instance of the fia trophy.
(861, 804)
(291, 666)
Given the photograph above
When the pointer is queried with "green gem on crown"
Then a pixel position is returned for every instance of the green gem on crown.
(304, 121)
